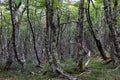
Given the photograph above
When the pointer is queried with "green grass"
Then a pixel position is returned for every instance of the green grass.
(96, 71)
(100, 71)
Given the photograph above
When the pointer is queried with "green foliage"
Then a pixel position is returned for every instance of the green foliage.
(98, 1)
(99, 71)
(76, 4)
(40, 4)
(57, 4)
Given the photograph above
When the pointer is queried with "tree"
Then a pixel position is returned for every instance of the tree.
(111, 19)
(50, 40)
(98, 43)
(16, 24)
(79, 34)
(33, 35)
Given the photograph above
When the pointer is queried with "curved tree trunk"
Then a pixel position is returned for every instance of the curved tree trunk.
(15, 24)
(98, 43)
(33, 35)
(50, 40)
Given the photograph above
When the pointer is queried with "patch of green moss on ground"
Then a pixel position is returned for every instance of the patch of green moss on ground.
(97, 70)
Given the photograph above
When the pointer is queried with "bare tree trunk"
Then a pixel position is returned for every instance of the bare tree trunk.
(98, 43)
(10, 56)
(1, 27)
(50, 34)
(33, 35)
(13, 12)
(79, 35)
(59, 35)
(50, 40)
(111, 19)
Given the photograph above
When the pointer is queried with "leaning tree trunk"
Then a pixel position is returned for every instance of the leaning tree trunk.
(111, 19)
(33, 35)
(98, 43)
(50, 40)
(15, 24)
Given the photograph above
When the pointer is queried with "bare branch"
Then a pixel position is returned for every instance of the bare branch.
(21, 15)
(17, 6)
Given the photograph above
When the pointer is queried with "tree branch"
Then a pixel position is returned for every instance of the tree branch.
(21, 14)
(17, 6)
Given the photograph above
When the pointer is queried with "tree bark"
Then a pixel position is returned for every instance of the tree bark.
(79, 35)
(13, 12)
(33, 35)
(111, 19)
(98, 43)
(50, 40)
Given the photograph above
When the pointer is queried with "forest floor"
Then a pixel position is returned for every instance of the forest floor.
(97, 70)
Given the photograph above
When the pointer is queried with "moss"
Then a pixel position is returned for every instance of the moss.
(96, 71)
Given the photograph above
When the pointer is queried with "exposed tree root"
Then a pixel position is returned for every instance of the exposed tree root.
(69, 77)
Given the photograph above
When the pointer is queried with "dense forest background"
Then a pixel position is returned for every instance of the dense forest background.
(59, 39)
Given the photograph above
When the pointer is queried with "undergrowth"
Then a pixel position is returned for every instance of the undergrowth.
(96, 70)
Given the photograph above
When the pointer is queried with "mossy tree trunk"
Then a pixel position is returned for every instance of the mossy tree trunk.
(79, 35)
(111, 19)
(51, 40)
(15, 32)
(98, 43)
(50, 33)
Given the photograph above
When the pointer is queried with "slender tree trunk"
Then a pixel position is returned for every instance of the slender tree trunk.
(1, 26)
(33, 35)
(10, 56)
(111, 19)
(13, 12)
(79, 35)
(50, 34)
(15, 25)
(98, 43)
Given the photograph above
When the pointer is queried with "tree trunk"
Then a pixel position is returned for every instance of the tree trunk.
(98, 43)
(111, 19)
(15, 25)
(50, 40)
(50, 35)
(33, 35)
(79, 35)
